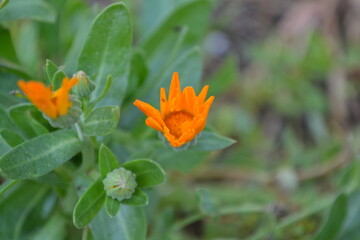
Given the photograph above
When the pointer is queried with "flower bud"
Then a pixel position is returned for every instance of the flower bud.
(70, 118)
(120, 184)
(85, 85)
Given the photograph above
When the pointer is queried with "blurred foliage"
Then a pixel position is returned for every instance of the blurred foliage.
(294, 172)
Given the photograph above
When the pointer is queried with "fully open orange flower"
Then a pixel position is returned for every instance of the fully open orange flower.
(182, 115)
(53, 104)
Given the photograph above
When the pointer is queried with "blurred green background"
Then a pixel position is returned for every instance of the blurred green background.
(286, 77)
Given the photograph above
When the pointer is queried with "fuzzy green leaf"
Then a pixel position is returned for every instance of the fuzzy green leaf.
(89, 204)
(107, 161)
(40, 155)
(107, 50)
(193, 12)
(102, 121)
(148, 173)
(128, 224)
(57, 78)
(28, 9)
(51, 69)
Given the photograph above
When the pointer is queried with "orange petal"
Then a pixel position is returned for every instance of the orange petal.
(172, 140)
(175, 89)
(202, 95)
(187, 136)
(149, 111)
(199, 125)
(154, 124)
(206, 106)
(163, 102)
(190, 99)
(61, 96)
(40, 96)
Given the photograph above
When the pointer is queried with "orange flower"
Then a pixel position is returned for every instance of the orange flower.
(53, 104)
(182, 116)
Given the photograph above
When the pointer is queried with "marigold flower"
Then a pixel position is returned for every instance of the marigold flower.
(182, 115)
(53, 104)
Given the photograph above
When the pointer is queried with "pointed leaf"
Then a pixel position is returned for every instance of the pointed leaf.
(107, 161)
(40, 155)
(51, 69)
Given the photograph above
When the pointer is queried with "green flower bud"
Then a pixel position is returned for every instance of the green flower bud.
(70, 118)
(120, 184)
(85, 85)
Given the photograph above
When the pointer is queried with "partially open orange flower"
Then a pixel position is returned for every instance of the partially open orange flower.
(53, 104)
(182, 116)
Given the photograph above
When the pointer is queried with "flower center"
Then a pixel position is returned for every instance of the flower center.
(175, 120)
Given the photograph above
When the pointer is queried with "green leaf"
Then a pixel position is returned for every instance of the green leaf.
(148, 173)
(188, 65)
(112, 206)
(11, 138)
(5, 121)
(16, 205)
(58, 77)
(107, 161)
(93, 103)
(28, 9)
(7, 48)
(193, 12)
(128, 224)
(22, 115)
(3, 3)
(107, 50)
(51, 69)
(54, 228)
(89, 204)
(102, 121)
(331, 229)
(224, 78)
(351, 226)
(211, 141)
(139, 199)
(28, 49)
(40, 155)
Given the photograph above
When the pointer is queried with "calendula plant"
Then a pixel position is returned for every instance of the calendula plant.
(75, 152)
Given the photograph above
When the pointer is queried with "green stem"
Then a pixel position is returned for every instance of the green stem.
(79, 132)
(85, 233)
(88, 155)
